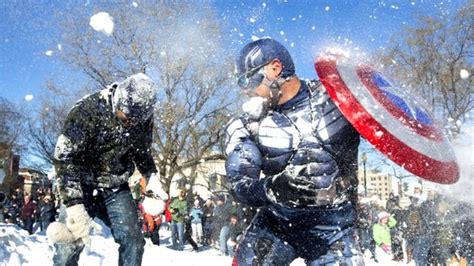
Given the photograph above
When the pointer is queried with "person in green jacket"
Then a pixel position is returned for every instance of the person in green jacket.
(381, 235)
(179, 211)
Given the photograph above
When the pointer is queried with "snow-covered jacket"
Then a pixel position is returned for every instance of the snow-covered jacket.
(95, 150)
(308, 133)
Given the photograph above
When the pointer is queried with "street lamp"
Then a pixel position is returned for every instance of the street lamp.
(364, 161)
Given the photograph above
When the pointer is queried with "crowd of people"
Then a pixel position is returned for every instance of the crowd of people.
(32, 212)
(217, 221)
(435, 231)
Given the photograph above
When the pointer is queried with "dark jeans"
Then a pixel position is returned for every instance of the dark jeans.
(28, 225)
(421, 248)
(118, 211)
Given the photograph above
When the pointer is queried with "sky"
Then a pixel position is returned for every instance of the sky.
(28, 56)
(29, 31)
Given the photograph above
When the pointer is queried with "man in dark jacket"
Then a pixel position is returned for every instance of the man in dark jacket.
(105, 136)
(294, 135)
(47, 212)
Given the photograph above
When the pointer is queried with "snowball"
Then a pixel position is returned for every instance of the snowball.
(102, 22)
(29, 97)
(135, 4)
(327, 8)
(49, 53)
(464, 74)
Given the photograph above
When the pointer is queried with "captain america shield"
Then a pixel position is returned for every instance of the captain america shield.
(393, 121)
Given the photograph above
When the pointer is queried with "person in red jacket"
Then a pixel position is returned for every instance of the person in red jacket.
(151, 226)
(28, 214)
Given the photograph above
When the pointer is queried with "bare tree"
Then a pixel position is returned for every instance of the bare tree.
(179, 47)
(44, 124)
(430, 56)
(11, 125)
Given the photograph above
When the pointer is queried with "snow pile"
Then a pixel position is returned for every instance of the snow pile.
(17, 247)
(102, 22)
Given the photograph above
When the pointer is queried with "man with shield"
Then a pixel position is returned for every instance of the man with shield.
(294, 134)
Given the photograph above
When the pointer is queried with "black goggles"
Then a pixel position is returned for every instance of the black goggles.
(252, 78)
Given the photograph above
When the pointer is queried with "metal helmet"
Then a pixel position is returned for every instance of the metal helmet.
(259, 53)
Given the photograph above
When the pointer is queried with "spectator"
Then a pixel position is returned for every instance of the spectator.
(381, 235)
(47, 212)
(151, 227)
(364, 226)
(236, 227)
(196, 215)
(179, 211)
(28, 214)
(221, 222)
(207, 210)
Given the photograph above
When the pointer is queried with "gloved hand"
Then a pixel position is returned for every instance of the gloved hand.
(154, 185)
(299, 185)
(288, 190)
(77, 227)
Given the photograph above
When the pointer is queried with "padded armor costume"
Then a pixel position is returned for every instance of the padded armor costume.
(307, 152)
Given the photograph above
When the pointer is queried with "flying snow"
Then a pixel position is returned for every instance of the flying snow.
(135, 4)
(29, 97)
(464, 74)
(60, 47)
(49, 53)
(327, 8)
(102, 22)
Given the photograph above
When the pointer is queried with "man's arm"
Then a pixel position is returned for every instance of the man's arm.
(69, 152)
(142, 150)
(243, 166)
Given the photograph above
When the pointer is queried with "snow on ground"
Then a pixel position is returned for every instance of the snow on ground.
(18, 248)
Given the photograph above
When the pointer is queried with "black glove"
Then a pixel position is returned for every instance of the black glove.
(298, 186)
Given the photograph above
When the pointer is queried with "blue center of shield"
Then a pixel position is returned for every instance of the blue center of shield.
(401, 99)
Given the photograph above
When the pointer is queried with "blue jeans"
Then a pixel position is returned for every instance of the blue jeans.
(118, 211)
(223, 237)
(177, 235)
